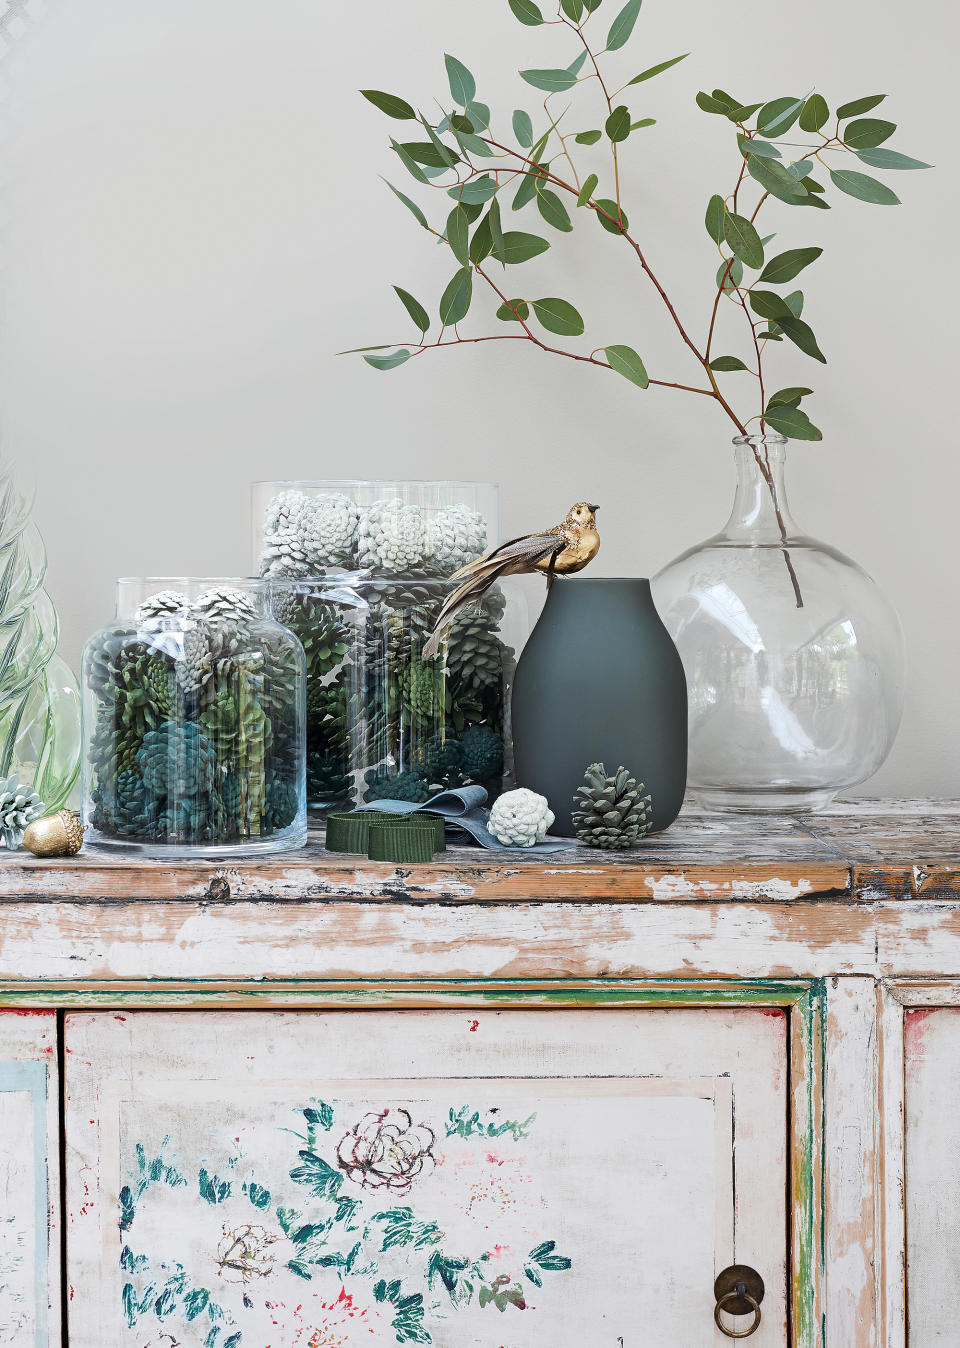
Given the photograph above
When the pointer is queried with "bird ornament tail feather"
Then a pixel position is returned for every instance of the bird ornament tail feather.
(561, 550)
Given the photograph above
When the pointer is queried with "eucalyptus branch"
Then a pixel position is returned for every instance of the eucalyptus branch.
(462, 143)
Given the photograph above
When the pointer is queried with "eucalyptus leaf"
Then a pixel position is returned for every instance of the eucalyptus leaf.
(455, 300)
(552, 81)
(481, 245)
(412, 168)
(587, 190)
(390, 104)
(787, 265)
(743, 113)
(793, 422)
(768, 304)
(496, 231)
(411, 206)
(815, 113)
(743, 239)
(799, 169)
(890, 159)
(658, 70)
(729, 275)
(471, 144)
(644, 121)
(714, 218)
(776, 180)
(591, 5)
(479, 115)
(777, 116)
(476, 191)
(388, 362)
(858, 106)
(709, 104)
(553, 210)
(623, 25)
(625, 361)
(458, 234)
(787, 397)
(523, 127)
(526, 11)
(426, 153)
(507, 314)
(617, 125)
(866, 133)
(519, 247)
(801, 334)
(588, 137)
(558, 316)
(610, 209)
(414, 308)
(761, 147)
(727, 364)
(526, 191)
(573, 9)
(463, 86)
(578, 62)
(863, 187)
(446, 156)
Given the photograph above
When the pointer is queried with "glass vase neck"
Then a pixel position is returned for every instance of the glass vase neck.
(760, 511)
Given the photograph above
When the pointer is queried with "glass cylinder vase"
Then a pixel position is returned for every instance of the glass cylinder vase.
(793, 655)
(194, 711)
(360, 571)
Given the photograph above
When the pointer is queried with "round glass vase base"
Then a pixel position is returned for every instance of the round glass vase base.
(289, 841)
(761, 800)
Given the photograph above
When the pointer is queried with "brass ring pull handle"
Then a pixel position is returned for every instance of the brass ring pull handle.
(738, 1290)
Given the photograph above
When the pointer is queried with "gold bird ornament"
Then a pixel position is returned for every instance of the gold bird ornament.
(559, 551)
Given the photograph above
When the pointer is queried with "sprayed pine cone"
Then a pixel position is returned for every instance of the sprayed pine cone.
(456, 536)
(224, 604)
(163, 604)
(611, 812)
(328, 780)
(324, 637)
(19, 806)
(404, 786)
(475, 653)
(176, 760)
(520, 818)
(305, 535)
(391, 536)
(481, 750)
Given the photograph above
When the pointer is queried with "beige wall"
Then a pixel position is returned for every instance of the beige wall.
(195, 224)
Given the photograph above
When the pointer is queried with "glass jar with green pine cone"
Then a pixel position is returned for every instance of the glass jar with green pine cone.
(360, 571)
(194, 722)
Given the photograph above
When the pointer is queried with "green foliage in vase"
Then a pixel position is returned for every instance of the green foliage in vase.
(572, 168)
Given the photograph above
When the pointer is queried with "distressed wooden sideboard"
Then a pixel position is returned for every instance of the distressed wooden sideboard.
(496, 1101)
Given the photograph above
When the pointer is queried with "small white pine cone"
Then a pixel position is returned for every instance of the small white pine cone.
(285, 513)
(163, 604)
(330, 531)
(19, 806)
(520, 818)
(457, 535)
(222, 603)
(285, 555)
(391, 536)
(195, 660)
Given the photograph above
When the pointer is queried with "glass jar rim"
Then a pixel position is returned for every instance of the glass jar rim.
(771, 438)
(313, 482)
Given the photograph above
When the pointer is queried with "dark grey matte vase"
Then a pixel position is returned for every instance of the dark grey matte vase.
(600, 681)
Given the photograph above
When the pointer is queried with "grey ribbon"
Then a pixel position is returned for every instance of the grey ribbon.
(464, 808)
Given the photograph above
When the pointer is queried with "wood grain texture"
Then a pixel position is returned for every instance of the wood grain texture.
(864, 850)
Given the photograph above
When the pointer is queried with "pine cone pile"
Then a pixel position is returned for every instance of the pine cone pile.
(195, 734)
(520, 818)
(612, 812)
(19, 806)
(403, 786)
(457, 535)
(391, 537)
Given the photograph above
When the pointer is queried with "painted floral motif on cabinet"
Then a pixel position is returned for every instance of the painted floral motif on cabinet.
(339, 1225)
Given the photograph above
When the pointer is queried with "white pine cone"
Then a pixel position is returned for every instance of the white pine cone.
(520, 818)
(19, 806)
(391, 536)
(284, 513)
(305, 535)
(457, 535)
(331, 535)
(163, 604)
(285, 555)
(222, 602)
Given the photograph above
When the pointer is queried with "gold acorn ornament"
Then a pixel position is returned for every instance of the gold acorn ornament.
(55, 835)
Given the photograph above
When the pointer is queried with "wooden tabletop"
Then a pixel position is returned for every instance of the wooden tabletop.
(856, 851)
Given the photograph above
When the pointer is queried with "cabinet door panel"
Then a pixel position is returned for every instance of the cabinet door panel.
(465, 1179)
(932, 1161)
(29, 1180)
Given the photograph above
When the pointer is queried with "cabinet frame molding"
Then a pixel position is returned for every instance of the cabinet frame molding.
(803, 1001)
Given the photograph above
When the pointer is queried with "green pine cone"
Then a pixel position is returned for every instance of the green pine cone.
(612, 812)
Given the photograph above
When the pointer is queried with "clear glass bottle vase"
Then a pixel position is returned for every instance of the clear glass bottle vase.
(794, 657)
